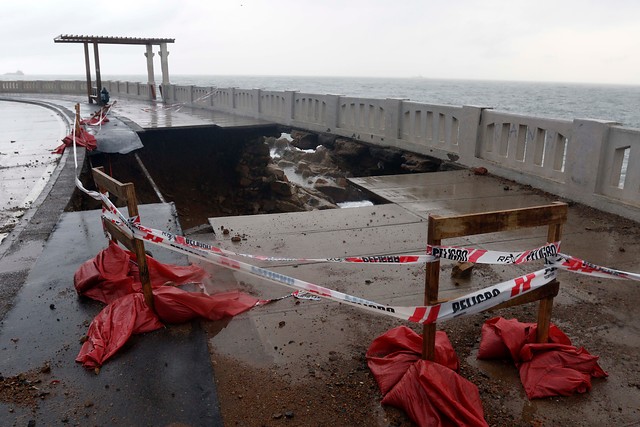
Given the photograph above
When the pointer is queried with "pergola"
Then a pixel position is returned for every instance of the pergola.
(96, 40)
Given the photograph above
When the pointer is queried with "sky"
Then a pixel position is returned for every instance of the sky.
(584, 41)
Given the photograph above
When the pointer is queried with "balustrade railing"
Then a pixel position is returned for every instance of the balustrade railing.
(590, 161)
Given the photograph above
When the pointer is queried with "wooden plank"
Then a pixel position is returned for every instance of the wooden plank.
(106, 183)
(119, 235)
(493, 222)
(549, 290)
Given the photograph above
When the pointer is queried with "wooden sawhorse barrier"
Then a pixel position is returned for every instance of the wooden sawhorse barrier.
(446, 227)
(127, 193)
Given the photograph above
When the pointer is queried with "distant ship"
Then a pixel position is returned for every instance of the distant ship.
(17, 73)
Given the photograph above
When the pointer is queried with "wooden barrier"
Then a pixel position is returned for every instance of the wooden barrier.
(126, 192)
(440, 227)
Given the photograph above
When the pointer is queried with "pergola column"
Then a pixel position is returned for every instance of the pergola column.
(164, 65)
(150, 74)
(87, 66)
(96, 58)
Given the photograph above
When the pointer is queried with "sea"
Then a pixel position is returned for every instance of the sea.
(618, 103)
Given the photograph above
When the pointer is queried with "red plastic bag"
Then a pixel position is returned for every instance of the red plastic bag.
(502, 338)
(431, 393)
(113, 326)
(114, 273)
(83, 139)
(556, 368)
(113, 278)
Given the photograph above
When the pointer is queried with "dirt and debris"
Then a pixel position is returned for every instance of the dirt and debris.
(27, 388)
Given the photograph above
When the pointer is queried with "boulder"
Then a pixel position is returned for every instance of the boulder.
(280, 188)
(348, 148)
(304, 140)
(416, 163)
(335, 192)
(386, 155)
(275, 171)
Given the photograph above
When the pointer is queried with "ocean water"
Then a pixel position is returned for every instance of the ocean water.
(619, 103)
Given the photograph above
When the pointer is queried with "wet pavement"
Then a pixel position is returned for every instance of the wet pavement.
(157, 379)
(29, 133)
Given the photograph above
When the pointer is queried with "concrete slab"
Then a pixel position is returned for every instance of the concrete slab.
(161, 378)
(115, 137)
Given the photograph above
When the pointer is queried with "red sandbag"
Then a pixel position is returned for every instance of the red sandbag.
(113, 274)
(113, 326)
(390, 355)
(431, 393)
(113, 277)
(173, 305)
(83, 139)
(557, 370)
(549, 369)
(105, 278)
(503, 338)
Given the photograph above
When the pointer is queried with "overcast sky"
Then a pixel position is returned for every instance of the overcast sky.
(544, 40)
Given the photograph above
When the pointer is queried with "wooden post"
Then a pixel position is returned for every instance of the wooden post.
(554, 234)
(432, 283)
(141, 255)
(127, 192)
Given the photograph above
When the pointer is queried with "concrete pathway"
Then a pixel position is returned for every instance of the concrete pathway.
(29, 133)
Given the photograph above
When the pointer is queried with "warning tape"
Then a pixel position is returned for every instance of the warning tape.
(471, 303)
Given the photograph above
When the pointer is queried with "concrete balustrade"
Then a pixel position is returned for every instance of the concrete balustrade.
(590, 161)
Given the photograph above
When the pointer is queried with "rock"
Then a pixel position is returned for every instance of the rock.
(280, 188)
(304, 140)
(327, 140)
(462, 270)
(415, 163)
(348, 148)
(387, 155)
(287, 206)
(480, 171)
(313, 199)
(275, 171)
(335, 192)
(302, 167)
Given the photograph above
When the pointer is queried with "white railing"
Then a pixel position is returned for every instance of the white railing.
(593, 162)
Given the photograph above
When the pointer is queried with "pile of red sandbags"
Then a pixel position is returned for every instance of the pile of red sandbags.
(112, 277)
